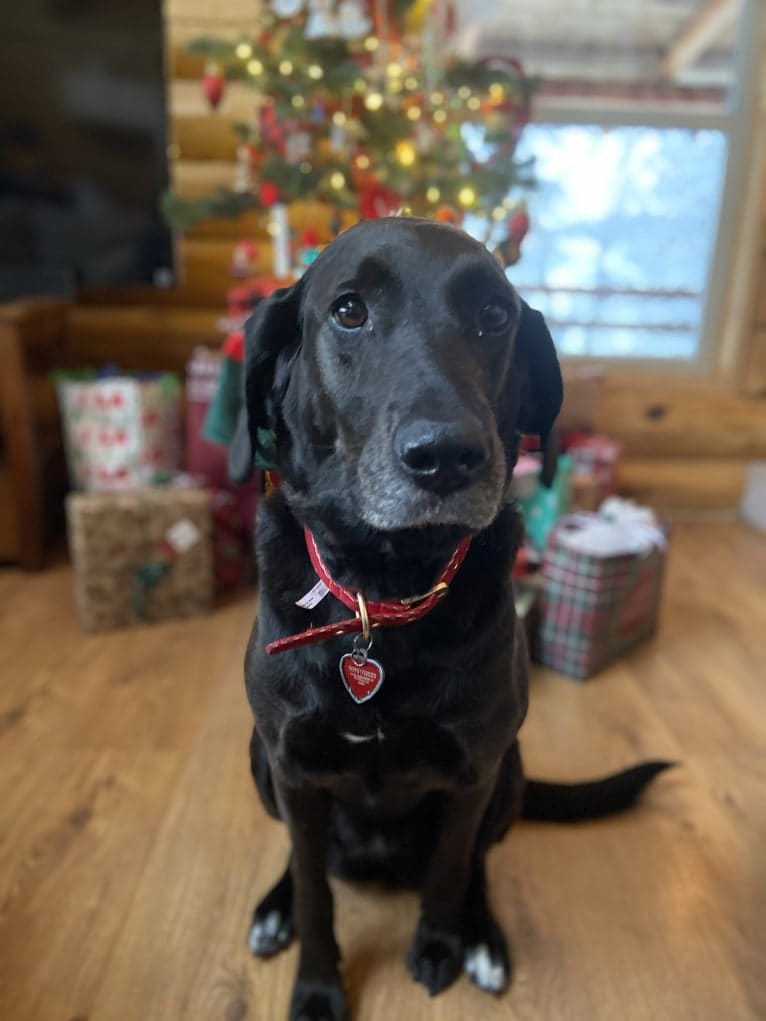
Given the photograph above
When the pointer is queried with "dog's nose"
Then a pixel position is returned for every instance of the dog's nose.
(441, 456)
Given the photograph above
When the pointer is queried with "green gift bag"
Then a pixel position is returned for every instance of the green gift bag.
(544, 507)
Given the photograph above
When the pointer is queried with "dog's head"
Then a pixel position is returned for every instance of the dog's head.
(397, 376)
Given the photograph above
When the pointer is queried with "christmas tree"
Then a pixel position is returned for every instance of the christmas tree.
(359, 104)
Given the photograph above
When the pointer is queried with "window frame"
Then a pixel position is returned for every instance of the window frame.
(731, 272)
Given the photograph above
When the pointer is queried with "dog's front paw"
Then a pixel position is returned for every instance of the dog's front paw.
(272, 927)
(317, 1001)
(488, 968)
(435, 958)
(487, 961)
(269, 934)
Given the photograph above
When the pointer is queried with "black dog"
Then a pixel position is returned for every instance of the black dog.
(394, 383)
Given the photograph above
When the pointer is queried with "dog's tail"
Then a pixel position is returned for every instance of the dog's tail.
(575, 802)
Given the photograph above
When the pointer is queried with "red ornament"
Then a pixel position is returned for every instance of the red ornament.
(244, 258)
(272, 131)
(448, 214)
(310, 238)
(518, 224)
(508, 250)
(269, 193)
(234, 346)
(375, 200)
(213, 83)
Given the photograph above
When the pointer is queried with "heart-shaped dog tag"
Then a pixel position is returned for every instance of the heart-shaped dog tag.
(362, 679)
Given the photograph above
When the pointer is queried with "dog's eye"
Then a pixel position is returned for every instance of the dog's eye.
(494, 317)
(350, 312)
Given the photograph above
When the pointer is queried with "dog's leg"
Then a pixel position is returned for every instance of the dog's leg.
(436, 955)
(272, 929)
(318, 992)
(487, 961)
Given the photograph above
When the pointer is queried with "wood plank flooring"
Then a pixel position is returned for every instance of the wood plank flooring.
(132, 846)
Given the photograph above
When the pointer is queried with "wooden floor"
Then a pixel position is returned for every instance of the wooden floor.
(132, 846)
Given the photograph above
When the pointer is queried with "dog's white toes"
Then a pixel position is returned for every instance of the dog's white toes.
(486, 971)
(269, 934)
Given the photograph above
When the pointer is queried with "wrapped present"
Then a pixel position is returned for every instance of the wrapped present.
(206, 458)
(203, 457)
(601, 586)
(140, 556)
(120, 432)
(594, 468)
(587, 494)
(543, 508)
(526, 477)
(233, 560)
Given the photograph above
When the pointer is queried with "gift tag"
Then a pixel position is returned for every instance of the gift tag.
(182, 535)
(362, 676)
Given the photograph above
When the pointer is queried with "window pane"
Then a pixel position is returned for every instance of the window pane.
(623, 226)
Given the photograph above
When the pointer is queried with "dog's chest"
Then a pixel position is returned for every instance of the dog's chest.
(383, 765)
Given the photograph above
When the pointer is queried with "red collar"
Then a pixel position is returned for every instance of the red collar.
(370, 613)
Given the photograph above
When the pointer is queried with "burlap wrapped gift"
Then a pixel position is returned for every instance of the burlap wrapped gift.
(140, 556)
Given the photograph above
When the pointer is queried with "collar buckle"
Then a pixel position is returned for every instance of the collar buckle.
(441, 589)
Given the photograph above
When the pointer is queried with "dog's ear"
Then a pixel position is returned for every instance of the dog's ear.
(272, 338)
(542, 388)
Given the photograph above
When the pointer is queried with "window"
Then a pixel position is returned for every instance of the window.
(624, 229)
(640, 139)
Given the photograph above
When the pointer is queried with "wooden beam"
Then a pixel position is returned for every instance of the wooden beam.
(698, 35)
(659, 420)
(683, 485)
(144, 337)
(754, 376)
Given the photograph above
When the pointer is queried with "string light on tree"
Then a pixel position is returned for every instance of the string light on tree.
(467, 197)
(406, 153)
(389, 104)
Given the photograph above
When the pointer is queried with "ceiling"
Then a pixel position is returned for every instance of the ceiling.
(679, 50)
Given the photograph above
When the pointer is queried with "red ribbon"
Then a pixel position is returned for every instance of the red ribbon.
(381, 613)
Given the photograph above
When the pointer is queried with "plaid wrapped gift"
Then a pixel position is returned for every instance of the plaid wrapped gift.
(144, 555)
(596, 607)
